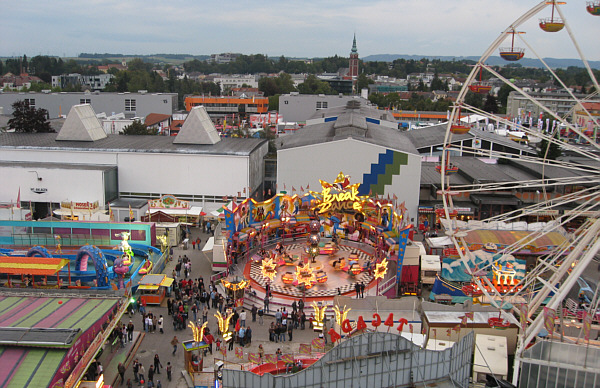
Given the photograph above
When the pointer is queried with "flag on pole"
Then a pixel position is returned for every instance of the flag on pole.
(130, 214)
(434, 333)
(19, 198)
(469, 315)
(449, 332)
(308, 186)
(301, 189)
(456, 328)
(463, 320)
(293, 188)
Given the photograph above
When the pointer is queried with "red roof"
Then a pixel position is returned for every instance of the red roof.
(155, 118)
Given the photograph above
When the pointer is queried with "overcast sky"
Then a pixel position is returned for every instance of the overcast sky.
(305, 28)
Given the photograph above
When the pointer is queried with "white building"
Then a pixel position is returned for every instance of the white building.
(83, 164)
(236, 81)
(358, 141)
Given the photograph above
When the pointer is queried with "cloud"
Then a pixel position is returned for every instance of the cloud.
(303, 29)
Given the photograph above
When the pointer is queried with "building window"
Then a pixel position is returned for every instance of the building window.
(321, 104)
(130, 106)
(30, 102)
(324, 104)
(85, 101)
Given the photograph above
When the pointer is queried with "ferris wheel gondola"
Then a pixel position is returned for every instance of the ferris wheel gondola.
(512, 53)
(593, 7)
(552, 24)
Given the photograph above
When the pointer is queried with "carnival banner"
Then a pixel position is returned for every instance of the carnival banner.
(254, 357)
(224, 349)
(549, 318)
(271, 358)
(587, 324)
(287, 358)
(318, 343)
(304, 349)
(239, 352)
(523, 315)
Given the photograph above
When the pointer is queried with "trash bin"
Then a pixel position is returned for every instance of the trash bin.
(186, 243)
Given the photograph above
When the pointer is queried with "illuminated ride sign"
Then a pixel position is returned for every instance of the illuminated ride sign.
(340, 195)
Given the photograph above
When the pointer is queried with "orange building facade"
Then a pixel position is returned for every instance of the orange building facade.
(219, 106)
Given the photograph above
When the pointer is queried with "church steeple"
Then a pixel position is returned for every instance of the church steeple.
(353, 64)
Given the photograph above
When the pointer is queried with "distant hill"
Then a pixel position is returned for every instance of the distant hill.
(494, 60)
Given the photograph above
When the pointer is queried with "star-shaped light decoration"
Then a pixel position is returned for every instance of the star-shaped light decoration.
(305, 275)
(268, 269)
(381, 269)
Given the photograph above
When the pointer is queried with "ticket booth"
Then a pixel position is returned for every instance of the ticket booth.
(194, 355)
(154, 288)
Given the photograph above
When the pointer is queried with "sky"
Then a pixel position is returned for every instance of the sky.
(305, 29)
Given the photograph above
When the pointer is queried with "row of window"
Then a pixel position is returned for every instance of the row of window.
(321, 104)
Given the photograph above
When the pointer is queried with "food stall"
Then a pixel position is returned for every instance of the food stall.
(153, 288)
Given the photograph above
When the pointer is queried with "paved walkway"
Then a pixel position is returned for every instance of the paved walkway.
(156, 343)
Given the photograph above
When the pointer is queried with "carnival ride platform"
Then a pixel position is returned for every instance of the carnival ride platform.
(339, 281)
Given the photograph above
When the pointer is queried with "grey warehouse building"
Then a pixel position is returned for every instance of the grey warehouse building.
(138, 104)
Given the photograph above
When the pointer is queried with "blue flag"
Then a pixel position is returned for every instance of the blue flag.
(402, 241)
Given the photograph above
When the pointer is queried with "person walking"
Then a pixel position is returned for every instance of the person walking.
(136, 369)
(174, 343)
(157, 364)
(290, 330)
(151, 374)
(266, 303)
(121, 370)
(253, 311)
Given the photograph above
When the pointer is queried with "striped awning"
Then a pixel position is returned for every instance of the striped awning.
(20, 265)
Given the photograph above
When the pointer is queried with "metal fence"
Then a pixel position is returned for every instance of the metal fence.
(555, 364)
(371, 360)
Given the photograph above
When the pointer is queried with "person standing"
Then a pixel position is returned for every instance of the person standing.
(160, 324)
(174, 343)
(301, 305)
(204, 314)
(260, 316)
(302, 320)
(357, 289)
(266, 302)
(169, 368)
(253, 311)
(241, 335)
(193, 244)
(243, 318)
(157, 364)
(141, 373)
(130, 328)
(290, 330)
(136, 369)
(261, 352)
(362, 289)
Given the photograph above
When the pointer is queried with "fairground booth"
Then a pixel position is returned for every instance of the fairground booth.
(319, 244)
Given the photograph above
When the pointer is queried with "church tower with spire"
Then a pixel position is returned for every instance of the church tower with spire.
(353, 72)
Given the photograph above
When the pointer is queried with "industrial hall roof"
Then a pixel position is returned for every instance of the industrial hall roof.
(128, 143)
(353, 121)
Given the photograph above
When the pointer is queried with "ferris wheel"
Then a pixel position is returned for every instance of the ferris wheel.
(575, 132)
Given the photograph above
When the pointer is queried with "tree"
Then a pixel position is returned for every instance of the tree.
(137, 128)
(313, 85)
(29, 119)
(490, 105)
(363, 82)
(550, 151)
